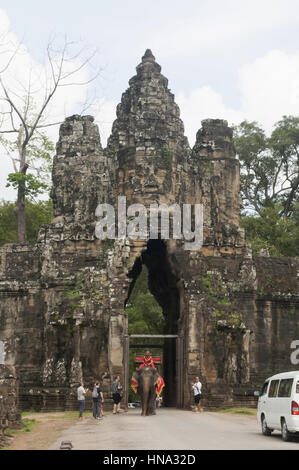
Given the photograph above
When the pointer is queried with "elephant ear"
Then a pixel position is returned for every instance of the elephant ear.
(156, 378)
(135, 375)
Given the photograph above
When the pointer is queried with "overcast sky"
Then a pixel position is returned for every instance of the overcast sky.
(226, 59)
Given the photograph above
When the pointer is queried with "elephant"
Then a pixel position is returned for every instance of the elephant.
(147, 378)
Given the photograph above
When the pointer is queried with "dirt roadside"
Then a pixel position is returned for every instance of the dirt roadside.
(47, 430)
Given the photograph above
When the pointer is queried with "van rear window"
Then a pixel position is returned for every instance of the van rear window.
(285, 388)
(297, 387)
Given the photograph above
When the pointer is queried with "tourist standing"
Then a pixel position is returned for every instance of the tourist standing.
(196, 387)
(120, 389)
(97, 398)
(81, 392)
(116, 394)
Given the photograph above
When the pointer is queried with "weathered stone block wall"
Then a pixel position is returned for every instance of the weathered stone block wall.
(240, 323)
(9, 413)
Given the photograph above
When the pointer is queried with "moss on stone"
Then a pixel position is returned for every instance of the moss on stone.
(166, 159)
(231, 317)
(107, 244)
(215, 290)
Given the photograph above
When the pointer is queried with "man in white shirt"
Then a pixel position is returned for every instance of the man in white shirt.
(81, 392)
(196, 386)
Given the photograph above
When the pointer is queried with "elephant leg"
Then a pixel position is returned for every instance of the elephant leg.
(147, 407)
(150, 402)
(154, 406)
(146, 396)
(153, 401)
(143, 406)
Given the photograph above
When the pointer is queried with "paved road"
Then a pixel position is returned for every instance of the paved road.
(172, 429)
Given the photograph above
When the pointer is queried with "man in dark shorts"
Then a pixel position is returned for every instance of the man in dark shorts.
(196, 387)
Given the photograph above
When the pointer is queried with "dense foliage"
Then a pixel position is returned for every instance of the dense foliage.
(37, 214)
(269, 165)
(269, 231)
(144, 313)
(269, 168)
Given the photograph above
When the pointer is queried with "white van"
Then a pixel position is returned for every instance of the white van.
(278, 405)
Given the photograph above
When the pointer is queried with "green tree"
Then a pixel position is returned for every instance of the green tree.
(269, 166)
(145, 315)
(269, 170)
(37, 214)
(284, 145)
(269, 230)
(24, 117)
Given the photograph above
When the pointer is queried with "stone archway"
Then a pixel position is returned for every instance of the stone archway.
(169, 399)
(162, 283)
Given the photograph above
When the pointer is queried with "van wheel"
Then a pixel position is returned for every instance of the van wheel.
(285, 433)
(265, 430)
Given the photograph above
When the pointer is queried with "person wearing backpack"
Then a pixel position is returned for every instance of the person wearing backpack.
(97, 398)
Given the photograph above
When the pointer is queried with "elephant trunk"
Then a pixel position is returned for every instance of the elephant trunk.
(146, 395)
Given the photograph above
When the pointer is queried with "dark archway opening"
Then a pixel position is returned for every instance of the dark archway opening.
(162, 284)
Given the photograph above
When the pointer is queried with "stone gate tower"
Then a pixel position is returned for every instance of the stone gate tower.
(62, 304)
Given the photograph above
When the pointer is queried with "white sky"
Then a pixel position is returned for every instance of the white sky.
(227, 59)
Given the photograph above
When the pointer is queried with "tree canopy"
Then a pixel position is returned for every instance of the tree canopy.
(144, 313)
(38, 214)
(269, 165)
(269, 171)
(269, 231)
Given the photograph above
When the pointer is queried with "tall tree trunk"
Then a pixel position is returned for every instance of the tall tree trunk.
(20, 210)
(291, 197)
(21, 216)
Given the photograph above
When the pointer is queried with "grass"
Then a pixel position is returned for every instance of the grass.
(29, 423)
(28, 426)
(60, 414)
(51, 414)
(26, 413)
(239, 411)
